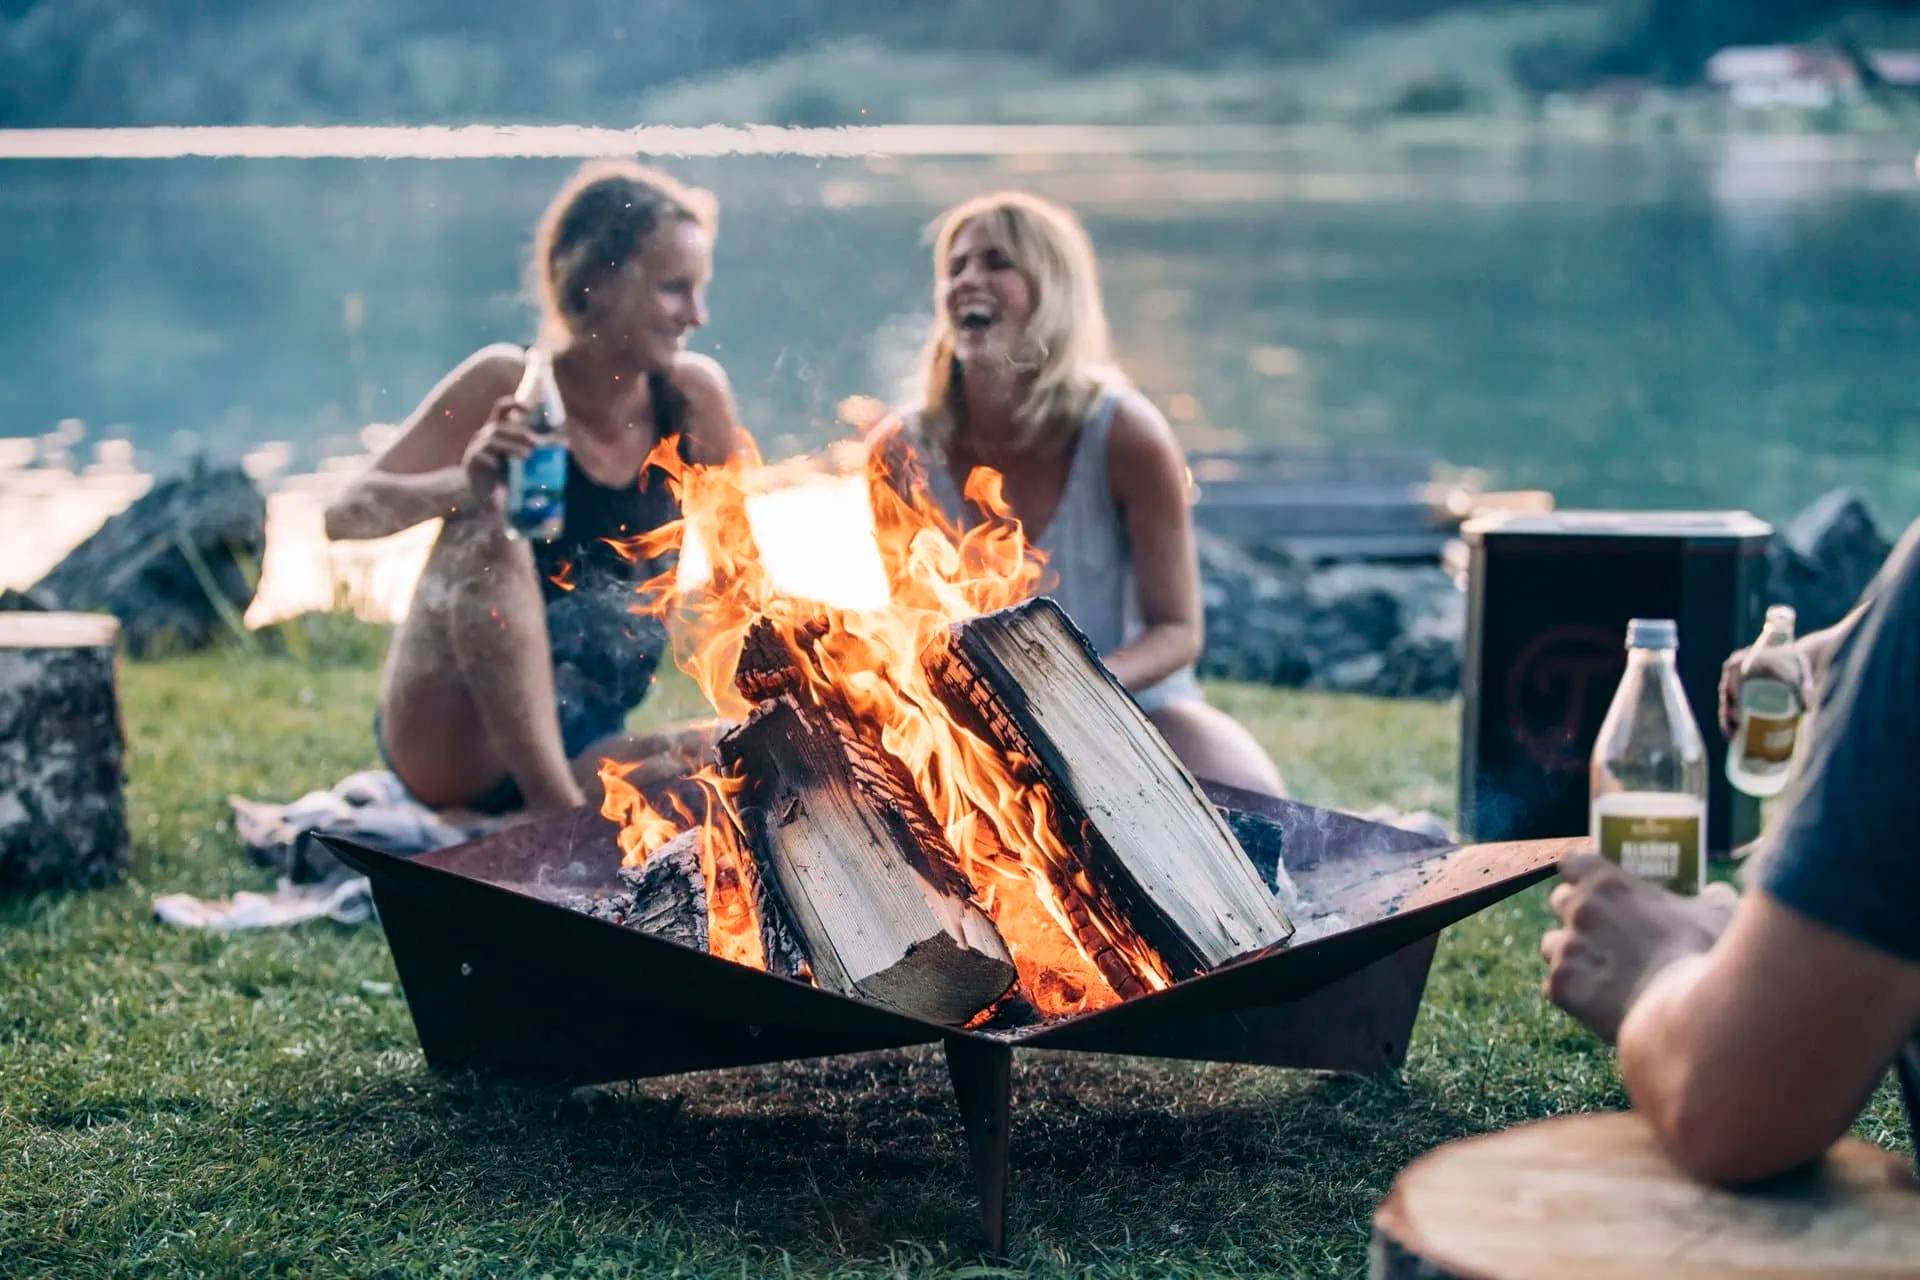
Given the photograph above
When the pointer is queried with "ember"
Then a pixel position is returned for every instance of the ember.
(956, 773)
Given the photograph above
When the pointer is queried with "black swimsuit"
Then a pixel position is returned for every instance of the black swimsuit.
(604, 654)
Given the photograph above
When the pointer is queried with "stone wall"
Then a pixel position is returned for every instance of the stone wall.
(1397, 630)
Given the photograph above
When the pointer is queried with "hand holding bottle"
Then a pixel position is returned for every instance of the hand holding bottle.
(536, 464)
(1795, 666)
(507, 434)
(1762, 699)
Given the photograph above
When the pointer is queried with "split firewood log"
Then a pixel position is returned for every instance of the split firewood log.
(1030, 680)
(859, 869)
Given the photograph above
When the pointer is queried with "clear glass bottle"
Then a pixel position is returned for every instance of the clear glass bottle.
(537, 483)
(1760, 756)
(1649, 769)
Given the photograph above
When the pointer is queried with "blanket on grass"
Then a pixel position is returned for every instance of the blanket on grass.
(369, 808)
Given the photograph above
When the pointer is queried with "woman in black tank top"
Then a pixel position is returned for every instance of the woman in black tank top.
(518, 663)
(603, 655)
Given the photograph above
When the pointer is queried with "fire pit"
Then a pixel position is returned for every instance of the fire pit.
(940, 818)
(504, 974)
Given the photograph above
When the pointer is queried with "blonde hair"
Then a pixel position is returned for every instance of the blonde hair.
(594, 226)
(1066, 338)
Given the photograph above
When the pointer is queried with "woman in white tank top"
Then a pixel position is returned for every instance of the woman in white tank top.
(1017, 376)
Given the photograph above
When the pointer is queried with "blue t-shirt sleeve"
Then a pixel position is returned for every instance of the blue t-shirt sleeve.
(1847, 852)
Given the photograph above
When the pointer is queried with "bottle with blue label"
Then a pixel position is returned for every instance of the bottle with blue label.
(537, 483)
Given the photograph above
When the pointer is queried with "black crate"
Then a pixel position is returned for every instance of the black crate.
(1547, 608)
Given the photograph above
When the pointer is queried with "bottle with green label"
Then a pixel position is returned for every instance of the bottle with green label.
(1649, 768)
(1760, 756)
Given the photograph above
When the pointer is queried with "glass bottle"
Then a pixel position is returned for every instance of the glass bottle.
(1649, 768)
(537, 483)
(1761, 754)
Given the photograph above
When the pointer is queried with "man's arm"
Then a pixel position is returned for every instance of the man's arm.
(1755, 1056)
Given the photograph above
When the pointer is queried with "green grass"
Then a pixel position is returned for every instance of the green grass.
(183, 1104)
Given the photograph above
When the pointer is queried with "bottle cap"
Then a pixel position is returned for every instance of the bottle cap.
(1653, 633)
(1781, 617)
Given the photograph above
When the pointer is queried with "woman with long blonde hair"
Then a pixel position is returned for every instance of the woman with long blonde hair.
(1018, 376)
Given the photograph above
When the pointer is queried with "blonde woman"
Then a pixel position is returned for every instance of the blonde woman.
(1018, 376)
(518, 661)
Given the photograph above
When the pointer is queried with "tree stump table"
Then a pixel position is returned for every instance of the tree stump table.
(1594, 1197)
(63, 815)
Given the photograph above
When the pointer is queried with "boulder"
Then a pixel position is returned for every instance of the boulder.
(1825, 558)
(1387, 629)
(176, 568)
(1390, 630)
(1255, 616)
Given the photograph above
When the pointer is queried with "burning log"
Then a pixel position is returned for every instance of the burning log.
(63, 816)
(1151, 840)
(666, 896)
(856, 865)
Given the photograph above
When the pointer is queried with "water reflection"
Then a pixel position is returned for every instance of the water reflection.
(1627, 323)
(810, 519)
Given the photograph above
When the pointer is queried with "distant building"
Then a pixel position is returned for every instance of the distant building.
(1803, 75)
(1897, 67)
(1783, 75)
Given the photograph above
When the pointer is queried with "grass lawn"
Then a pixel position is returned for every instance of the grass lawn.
(177, 1103)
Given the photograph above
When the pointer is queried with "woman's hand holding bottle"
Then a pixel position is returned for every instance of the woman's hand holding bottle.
(506, 434)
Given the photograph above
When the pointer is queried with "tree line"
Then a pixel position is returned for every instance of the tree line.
(124, 62)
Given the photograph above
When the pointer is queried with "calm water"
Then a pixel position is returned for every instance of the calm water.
(1643, 324)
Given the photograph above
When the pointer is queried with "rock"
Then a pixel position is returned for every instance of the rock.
(1387, 629)
(135, 568)
(1825, 558)
(12, 601)
(1254, 616)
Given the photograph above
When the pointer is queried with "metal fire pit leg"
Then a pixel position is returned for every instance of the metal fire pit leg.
(983, 1083)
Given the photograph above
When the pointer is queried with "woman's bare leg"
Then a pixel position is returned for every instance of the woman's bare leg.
(468, 697)
(1217, 747)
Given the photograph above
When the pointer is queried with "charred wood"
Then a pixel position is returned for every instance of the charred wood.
(665, 896)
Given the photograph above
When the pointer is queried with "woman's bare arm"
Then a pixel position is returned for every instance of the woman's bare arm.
(421, 475)
(713, 423)
(1148, 475)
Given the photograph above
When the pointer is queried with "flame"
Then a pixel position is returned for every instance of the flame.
(642, 827)
(733, 889)
(1071, 946)
(563, 577)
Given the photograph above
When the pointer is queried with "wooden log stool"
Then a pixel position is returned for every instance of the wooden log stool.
(63, 814)
(1593, 1197)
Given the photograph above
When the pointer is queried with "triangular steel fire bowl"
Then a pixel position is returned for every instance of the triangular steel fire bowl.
(502, 976)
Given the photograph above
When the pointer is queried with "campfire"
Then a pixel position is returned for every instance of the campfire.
(945, 805)
(936, 821)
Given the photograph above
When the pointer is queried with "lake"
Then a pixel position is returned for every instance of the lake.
(1650, 323)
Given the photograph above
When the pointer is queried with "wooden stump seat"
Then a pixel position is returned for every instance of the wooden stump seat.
(1593, 1197)
(63, 817)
